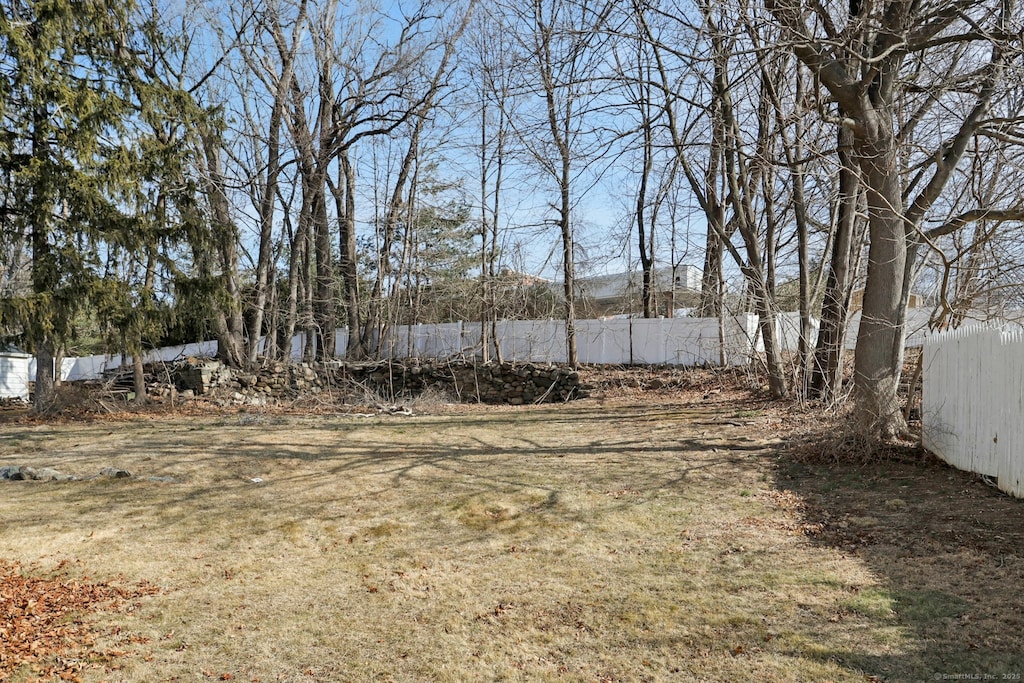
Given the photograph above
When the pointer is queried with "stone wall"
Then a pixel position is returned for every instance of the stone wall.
(513, 384)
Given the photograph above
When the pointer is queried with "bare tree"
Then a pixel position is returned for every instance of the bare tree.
(849, 229)
(563, 43)
(403, 190)
(329, 77)
(490, 65)
(635, 75)
(736, 188)
(277, 79)
(903, 74)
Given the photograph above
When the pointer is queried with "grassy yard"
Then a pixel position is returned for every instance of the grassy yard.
(582, 542)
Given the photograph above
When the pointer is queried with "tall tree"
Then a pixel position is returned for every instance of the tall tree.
(637, 83)
(492, 78)
(282, 29)
(848, 239)
(906, 75)
(72, 92)
(733, 132)
(564, 67)
(402, 199)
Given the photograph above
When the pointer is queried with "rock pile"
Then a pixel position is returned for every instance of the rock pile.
(25, 473)
(513, 384)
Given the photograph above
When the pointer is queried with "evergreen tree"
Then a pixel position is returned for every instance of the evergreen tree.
(442, 254)
(88, 148)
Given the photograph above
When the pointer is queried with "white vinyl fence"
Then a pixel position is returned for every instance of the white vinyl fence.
(973, 402)
(671, 341)
(92, 367)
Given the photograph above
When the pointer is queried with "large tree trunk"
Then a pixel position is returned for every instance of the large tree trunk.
(323, 307)
(138, 370)
(795, 156)
(827, 367)
(569, 286)
(264, 304)
(879, 354)
(772, 349)
(228, 325)
(347, 265)
(297, 250)
(491, 304)
(264, 262)
(139, 378)
(272, 349)
(307, 274)
(712, 290)
(645, 242)
(232, 340)
(712, 286)
(45, 273)
(568, 259)
(868, 93)
(45, 389)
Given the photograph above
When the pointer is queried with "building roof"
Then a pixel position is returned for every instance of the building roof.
(12, 350)
(616, 285)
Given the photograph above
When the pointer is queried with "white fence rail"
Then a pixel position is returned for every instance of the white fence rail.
(973, 402)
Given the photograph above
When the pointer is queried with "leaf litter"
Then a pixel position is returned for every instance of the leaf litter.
(44, 628)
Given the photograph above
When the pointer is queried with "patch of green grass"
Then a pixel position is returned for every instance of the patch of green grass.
(872, 602)
(928, 605)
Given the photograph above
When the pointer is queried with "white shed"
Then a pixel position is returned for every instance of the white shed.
(14, 376)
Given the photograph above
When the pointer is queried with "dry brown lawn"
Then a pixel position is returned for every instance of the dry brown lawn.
(624, 540)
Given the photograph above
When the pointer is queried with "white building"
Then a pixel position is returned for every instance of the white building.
(14, 374)
(622, 293)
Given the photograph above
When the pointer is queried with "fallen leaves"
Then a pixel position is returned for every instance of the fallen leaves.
(41, 621)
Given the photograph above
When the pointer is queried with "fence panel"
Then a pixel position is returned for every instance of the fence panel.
(88, 367)
(691, 341)
(443, 340)
(649, 342)
(1010, 458)
(604, 342)
(534, 341)
(973, 402)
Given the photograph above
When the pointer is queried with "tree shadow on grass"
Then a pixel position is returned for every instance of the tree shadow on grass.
(948, 551)
(508, 453)
(537, 461)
